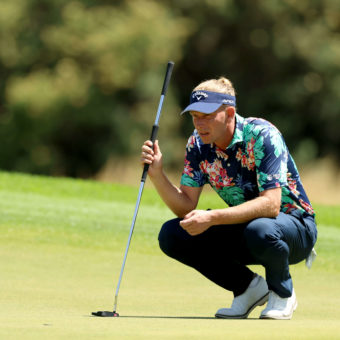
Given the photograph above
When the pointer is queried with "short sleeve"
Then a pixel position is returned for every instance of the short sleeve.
(192, 176)
(271, 158)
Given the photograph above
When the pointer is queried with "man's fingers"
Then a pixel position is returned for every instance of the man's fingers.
(190, 229)
(189, 215)
(146, 160)
(156, 147)
(148, 143)
(188, 219)
(147, 156)
(186, 222)
(147, 149)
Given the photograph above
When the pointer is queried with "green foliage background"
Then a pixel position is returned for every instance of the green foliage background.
(80, 80)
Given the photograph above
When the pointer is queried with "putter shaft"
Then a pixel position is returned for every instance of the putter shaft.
(144, 175)
(141, 187)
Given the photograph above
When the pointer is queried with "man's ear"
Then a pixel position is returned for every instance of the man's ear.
(230, 112)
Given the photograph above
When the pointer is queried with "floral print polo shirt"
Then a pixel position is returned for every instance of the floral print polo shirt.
(257, 159)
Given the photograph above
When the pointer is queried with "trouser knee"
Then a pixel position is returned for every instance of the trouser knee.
(167, 237)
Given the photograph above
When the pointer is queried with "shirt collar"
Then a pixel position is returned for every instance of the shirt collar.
(238, 133)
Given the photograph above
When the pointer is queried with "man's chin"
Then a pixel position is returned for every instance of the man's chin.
(205, 138)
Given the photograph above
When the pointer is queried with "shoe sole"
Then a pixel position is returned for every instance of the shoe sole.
(283, 317)
(259, 302)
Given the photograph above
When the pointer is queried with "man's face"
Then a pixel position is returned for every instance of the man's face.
(212, 128)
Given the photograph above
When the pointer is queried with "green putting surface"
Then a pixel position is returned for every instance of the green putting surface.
(61, 248)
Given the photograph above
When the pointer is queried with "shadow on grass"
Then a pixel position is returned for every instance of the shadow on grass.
(175, 317)
(168, 317)
(180, 317)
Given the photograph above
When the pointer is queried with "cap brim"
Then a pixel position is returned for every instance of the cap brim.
(202, 107)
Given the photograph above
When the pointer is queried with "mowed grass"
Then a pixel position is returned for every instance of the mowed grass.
(62, 243)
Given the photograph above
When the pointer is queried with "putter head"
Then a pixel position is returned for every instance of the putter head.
(106, 314)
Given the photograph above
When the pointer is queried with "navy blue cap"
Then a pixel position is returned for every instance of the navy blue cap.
(208, 102)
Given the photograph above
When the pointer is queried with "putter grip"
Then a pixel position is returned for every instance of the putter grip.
(167, 76)
(152, 138)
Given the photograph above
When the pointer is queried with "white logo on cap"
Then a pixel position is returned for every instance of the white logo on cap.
(228, 101)
(199, 95)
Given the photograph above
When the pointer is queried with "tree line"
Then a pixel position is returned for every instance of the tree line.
(80, 80)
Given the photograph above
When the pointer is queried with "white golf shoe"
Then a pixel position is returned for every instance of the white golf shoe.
(255, 295)
(279, 308)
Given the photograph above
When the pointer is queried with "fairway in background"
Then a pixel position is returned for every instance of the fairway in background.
(61, 247)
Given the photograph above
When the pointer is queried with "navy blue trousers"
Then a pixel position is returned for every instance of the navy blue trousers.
(223, 252)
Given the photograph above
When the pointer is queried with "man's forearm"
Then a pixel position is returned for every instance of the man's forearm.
(172, 196)
(259, 207)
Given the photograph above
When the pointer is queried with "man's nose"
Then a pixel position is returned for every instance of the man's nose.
(199, 122)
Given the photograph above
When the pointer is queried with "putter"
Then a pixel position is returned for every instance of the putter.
(142, 183)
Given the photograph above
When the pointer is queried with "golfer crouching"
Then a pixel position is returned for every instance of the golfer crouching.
(269, 220)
